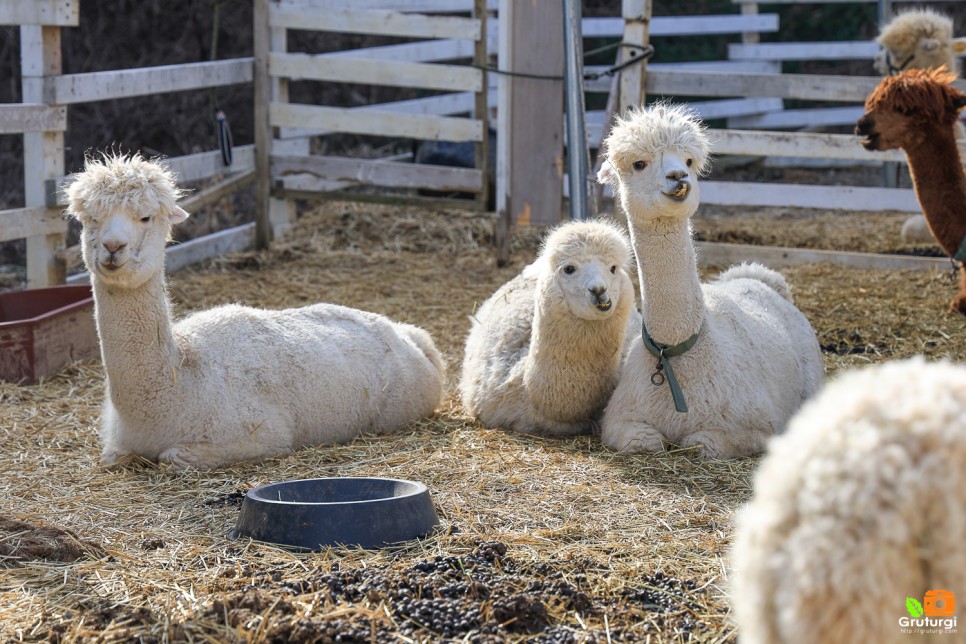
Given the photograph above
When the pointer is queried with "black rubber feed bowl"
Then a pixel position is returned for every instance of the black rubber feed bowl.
(316, 513)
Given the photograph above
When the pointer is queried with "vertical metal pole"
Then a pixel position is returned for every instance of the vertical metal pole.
(480, 110)
(504, 101)
(263, 129)
(578, 160)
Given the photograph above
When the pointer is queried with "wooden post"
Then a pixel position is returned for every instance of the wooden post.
(43, 155)
(597, 189)
(750, 37)
(530, 117)
(637, 24)
(281, 212)
(263, 130)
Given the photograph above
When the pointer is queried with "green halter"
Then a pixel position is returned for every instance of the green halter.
(961, 251)
(662, 352)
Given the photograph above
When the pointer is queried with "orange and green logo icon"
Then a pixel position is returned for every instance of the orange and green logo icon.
(936, 603)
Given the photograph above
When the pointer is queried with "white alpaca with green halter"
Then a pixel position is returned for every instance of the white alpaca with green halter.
(721, 366)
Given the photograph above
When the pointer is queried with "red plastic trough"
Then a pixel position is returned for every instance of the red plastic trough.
(43, 329)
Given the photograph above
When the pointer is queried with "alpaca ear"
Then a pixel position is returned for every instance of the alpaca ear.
(177, 215)
(959, 45)
(607, 173)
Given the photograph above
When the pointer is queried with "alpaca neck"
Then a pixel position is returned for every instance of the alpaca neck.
(937, 175)
(137, 347)
(573, 358)
(671, 298)
(558, 336)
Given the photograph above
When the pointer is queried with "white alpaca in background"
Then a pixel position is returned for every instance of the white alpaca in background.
(231, 383)
(918, 39)
(857, 509)
(728, 362)
(543, 352)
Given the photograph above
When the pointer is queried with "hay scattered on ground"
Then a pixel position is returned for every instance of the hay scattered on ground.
(541, 539)
(866, 232)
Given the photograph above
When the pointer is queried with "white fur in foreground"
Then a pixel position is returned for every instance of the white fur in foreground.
(859, 506)
(543, 352)
(232, 383)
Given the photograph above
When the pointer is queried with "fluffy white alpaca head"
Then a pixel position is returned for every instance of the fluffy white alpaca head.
(918, 39)
(583, 265)
(127, 205)
(654, 158)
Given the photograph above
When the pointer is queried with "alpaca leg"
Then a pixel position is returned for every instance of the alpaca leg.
(959, 302)
(112, 458)
(723, 444)
(631, 436)
(206, 455)
(551, 428)
(538, 426)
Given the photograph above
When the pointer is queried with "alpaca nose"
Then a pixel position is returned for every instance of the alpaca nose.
(113, 246)
(864, 126)
(597, 291)
(677, 175)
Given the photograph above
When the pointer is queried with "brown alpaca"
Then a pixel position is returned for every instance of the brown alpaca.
(917, 111)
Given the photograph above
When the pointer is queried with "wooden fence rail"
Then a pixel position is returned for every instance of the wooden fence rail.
(746, 90)
(42, 120)
(776, 132)
(430, 65)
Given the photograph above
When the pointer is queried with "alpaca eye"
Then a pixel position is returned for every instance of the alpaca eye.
(146, 219)
(690, 161)
(570, 269)
(613, 269)
(640, 165)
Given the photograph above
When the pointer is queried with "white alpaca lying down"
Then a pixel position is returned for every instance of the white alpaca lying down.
(729, 361)
(543, 353)
(232, 383)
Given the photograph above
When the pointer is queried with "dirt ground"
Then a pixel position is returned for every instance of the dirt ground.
(542, 540)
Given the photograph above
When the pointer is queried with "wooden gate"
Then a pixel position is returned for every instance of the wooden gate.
(285, 167)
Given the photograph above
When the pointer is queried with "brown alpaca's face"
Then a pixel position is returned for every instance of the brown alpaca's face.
(903, 110)
(885, 129)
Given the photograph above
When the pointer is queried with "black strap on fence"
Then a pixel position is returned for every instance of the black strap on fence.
(223, 130)
(639, 54)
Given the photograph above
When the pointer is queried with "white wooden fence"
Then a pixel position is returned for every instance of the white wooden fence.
(417, 65)
(775, 132)
(42, 119)
(746, 89)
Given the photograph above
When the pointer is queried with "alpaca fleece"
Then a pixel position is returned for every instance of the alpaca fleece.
(756, 358)
(857, 507)
(231, 383)
(543, 352)
(918, 39)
